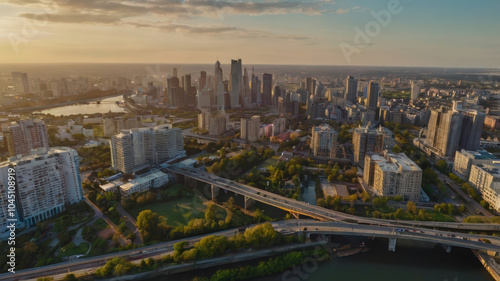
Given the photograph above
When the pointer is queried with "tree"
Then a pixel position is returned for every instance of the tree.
(484, 204)
(411, 207)
(451, 209)
(396, 149)
(441, 166)
(210, 213)
(70, 277)
(462, 208)
(149, 224)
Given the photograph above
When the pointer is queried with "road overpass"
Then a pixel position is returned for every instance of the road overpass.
(301, 208)
(308, 227)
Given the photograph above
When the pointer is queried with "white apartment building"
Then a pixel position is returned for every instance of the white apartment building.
(46, 182)
(145, 146)
(464, 160)
(486, 179)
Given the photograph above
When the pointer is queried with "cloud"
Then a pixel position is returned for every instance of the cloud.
(342, 11)
(181, 16)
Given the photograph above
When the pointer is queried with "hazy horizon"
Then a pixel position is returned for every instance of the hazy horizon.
(458, 34)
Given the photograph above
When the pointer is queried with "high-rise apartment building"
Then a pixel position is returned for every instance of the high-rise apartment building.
(250, 128)
(324, 141)
(145, 146)
(448, 130)
(351, 92)
(415, 89)
(25, 135)
(220, 91)
(443, 132)
(47, 180)
(393, 174)
(366, 140)
(213, 122)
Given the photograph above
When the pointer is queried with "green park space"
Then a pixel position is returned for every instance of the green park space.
(71, 249)
(179, 212)
(482, 219)
(268, 162)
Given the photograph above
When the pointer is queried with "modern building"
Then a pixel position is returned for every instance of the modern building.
(267, 88)
(464, 159)
(21, 83)
(389, 141)
(373, 92)
(135, 148)
(279, 126)
(250, 128)
(366, 140)
(155, 179)
(415, 89)
(486, 179)
(443, 132)
(213, 122)
(324, 141)
(24, 135)
(220, 91)
(47, 181)
(236, 83)
(393, 174)
(448, 130)
(256, 88)
(351, 92)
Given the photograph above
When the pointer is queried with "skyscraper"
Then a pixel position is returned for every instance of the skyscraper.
(220, 91)
(351, 92)
(21, 83)
(311, 86)
(25, 135)
(372, 98)
(203, 80)
(246, 95)
(267, 86)
(255, 88)
(236, 83)
(415, 89)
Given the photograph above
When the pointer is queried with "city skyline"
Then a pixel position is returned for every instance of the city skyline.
(262, 32)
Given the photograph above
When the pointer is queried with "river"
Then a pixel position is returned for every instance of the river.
(107, 105)
(412, 261)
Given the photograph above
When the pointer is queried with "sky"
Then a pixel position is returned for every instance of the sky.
(445, 33)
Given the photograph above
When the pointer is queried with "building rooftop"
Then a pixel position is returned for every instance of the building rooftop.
(392, 162)
(479, 155)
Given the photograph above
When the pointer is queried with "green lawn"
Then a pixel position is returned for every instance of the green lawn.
(178, 212)
(481, 219)
(268, 162)
(71, 249)
(436, 216)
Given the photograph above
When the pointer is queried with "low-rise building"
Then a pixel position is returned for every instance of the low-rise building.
(486, 179)
(154, 179)
(464, 160)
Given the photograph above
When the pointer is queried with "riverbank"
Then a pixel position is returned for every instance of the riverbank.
(49, 106)
(489, 264)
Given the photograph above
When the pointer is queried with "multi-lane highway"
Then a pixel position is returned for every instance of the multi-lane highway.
(317, 212)
(286, 227)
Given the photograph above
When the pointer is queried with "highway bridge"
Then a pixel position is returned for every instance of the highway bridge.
(309, 227)
(297, 208)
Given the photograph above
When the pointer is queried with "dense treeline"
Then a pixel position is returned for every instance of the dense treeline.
(233, 167)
